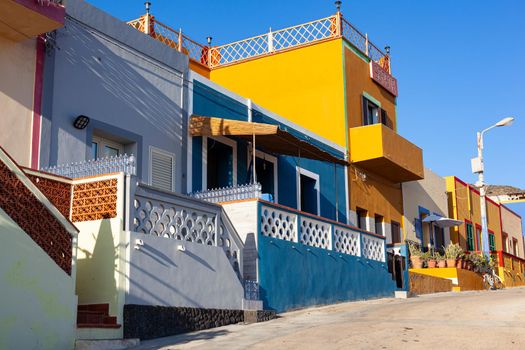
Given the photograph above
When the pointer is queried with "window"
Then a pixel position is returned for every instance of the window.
(396, 232)
(492, 242)
(470, 237)
(373, 114)
(361, 218)
(478, 237)
(379, 225)
(439, 234)
(102, 147)
(308, 196)
(505, 242)
(162, 169)
(514, 247)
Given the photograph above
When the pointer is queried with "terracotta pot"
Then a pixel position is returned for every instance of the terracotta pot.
(431, 263)
(416, 261)
(451, 262)
(459, 263)
(442, 263)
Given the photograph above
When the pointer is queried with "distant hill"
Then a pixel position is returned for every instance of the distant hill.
(499, 190)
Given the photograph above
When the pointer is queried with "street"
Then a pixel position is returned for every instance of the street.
(467, 320)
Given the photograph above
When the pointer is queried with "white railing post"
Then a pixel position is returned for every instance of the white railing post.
(270, 40)
(366, 44)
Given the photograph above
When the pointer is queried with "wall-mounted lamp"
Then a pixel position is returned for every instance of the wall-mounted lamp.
(81, 122)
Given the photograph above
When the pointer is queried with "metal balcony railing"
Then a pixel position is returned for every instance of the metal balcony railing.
(122, 163)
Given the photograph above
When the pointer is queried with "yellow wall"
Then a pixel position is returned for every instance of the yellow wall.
(303, 85)
(512, 227)
(464, 204)
(17, 77)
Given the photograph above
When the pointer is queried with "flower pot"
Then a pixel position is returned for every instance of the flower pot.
(451, 263)
(431, 263)
(460, 263)
(442, 263)
(416, 261)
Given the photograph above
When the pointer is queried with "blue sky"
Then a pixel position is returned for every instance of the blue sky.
(459, 64)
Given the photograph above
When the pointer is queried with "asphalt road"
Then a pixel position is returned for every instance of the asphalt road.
(466, 320)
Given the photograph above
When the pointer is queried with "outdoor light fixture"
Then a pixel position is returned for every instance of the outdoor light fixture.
(208, 39)
(479, 168)
(387, 49)
(505, 121)
(81, 122)
(338, 5)
(147, 4)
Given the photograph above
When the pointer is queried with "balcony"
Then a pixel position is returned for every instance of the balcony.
(22, 19)
(379, 149)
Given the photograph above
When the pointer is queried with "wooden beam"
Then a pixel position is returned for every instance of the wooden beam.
(208, 126)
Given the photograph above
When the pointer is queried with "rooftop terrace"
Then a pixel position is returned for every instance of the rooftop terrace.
(309, 33)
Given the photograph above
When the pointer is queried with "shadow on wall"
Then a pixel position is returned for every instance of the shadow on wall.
(96, 281)
(111, 83)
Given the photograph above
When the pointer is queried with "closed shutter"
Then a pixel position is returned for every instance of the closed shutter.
(162, 169)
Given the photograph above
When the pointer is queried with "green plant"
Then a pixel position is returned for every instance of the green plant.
(426, 256)
(439, 257)
(414, 249)
(453, 251)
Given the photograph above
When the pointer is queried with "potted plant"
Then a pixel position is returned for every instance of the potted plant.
(415, 255)
(441, 260)
(431, 260)
(453, 253)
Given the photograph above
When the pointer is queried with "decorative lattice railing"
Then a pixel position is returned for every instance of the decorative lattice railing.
(288, 225)
(166, 214)
(115, 164)
(228, 194)
(274, 41)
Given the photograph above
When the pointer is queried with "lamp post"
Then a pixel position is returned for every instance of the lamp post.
(478, 167)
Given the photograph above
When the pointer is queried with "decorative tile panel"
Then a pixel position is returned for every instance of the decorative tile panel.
(347, 241)
(316, 233)
(278, 224)
(383, 78)
(373, 248)
(35, 219)
(95, 200)
(58, 193)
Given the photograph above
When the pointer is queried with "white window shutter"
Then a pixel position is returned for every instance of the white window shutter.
(162, 169)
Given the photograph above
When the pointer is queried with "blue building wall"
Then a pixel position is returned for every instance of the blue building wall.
(292, 275)
(212, 103)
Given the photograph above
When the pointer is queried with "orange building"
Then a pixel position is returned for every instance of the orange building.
(464, 205)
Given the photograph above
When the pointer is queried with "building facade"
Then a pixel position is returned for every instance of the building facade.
(421, 199)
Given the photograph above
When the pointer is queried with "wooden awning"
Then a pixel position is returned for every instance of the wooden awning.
(269, 137)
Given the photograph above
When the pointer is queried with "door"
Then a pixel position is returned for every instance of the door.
(219, 165)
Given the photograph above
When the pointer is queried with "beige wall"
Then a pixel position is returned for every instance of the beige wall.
(17, 76)
(429, 193)
(511, 224)
(38, 303)
(102, 262)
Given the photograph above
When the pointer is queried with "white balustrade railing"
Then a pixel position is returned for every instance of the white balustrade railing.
(166, 214)
(228, 194)
(316, 232)
(122, 163)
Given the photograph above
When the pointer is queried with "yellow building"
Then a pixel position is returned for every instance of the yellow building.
(504, 227)
(327, 77)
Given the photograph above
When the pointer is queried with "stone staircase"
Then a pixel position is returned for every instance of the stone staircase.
(95, 316)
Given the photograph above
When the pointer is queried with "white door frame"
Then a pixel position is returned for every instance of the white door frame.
(300, 171)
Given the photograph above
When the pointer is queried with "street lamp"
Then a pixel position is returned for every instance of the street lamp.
(478, 167)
